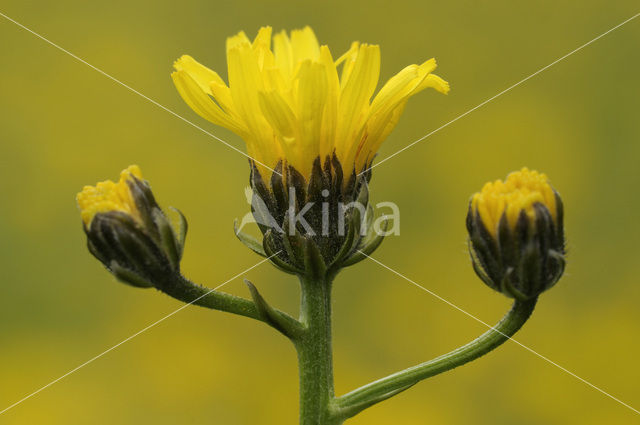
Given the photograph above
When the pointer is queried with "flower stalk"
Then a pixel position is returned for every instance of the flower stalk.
(183, 289)
(354, 402)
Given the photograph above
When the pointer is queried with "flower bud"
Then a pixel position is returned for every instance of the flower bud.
(516, 234)
(128, 232)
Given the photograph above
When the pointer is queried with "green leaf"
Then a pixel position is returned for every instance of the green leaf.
(354, 409)
(269, 314)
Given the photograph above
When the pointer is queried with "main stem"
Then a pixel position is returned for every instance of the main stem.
(315, 360)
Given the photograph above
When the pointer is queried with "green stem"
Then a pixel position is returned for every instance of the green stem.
(315, 353)
(354, 402)
(186, 291)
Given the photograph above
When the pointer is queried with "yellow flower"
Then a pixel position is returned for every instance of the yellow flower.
(290, 104)
(521, 191)
(109, 196)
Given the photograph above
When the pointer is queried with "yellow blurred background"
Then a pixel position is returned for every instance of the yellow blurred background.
(63, 125)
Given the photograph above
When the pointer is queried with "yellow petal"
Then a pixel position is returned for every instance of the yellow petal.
(396, 89)
(377, 132)
(284, 124)
(245, 82)
(361, 83)
(389, 103)
(200, 73)
(208, 80)
(263, 39)
(348, 60)
(354, 102)
(239, 39)
(330, 116)
(202, 104)
(435, 82)
(283, 53)
(262, 48)
(304, 45)
(278, 114)
(311, 99)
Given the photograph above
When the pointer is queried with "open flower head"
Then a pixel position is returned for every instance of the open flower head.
(109, 196)
(292, 101)
(516, 234)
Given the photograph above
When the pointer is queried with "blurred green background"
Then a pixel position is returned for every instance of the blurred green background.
(63, 125)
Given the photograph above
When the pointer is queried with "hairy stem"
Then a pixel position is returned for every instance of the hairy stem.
(315, 358)
(186, 291)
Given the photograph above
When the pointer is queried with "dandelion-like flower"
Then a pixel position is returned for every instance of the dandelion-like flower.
(309, 117)
(516, 234)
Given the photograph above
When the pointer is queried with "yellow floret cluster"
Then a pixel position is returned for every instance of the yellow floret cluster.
(519, 192)
(109, 196)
